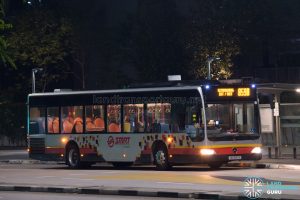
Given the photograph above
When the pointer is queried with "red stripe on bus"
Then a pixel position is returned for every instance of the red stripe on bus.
(62, 150)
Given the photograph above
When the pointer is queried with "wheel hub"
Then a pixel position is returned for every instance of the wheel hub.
(73, 157)
(160, 157)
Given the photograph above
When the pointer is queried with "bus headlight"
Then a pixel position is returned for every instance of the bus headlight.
(207, 152)
(256, 150)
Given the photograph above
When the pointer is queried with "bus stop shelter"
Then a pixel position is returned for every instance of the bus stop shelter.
(280, 118)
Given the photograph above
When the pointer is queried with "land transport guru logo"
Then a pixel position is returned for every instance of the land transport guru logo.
(255, 187)
(111, 141)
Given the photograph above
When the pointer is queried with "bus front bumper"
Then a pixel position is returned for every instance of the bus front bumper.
(193, 159)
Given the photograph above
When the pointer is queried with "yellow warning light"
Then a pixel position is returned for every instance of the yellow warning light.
(170, 139)
(64, 140)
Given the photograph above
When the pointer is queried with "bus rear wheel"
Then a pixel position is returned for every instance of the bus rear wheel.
(161, 161)
(73, 157)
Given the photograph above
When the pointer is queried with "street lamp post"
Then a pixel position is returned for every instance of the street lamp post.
(34, 70)
(209, 61)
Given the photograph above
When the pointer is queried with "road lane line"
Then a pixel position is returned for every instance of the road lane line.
(78, 174)
(175, 183)
(70, 178)
(45, 176)
(79, 179)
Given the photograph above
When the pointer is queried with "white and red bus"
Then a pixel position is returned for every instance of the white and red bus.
(166, 124)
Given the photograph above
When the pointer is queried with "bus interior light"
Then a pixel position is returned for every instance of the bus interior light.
(207, 152)
(256, 150)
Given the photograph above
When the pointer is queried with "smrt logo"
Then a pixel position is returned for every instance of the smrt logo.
(117, 141)
(110, 141)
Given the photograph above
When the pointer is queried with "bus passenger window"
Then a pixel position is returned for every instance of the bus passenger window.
(133, 118)
(94, 118)
(53, 119)
(72, 119)
(158, 117)
(37, 121)
(114, 118)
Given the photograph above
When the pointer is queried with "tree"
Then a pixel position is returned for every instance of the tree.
(41, 38)
(5, 58)
(211, 31)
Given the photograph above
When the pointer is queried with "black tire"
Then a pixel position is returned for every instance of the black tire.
(73, 157)
(122, 164)
(215, 165)
(161, 161)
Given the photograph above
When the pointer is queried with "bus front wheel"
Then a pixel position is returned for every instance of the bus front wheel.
(73, 157)
(161, 161)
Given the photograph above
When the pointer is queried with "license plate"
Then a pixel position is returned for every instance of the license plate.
(234, 157)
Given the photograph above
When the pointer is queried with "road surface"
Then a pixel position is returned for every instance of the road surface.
(51, 196)
(193, 178)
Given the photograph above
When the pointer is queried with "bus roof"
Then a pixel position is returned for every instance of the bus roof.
(113, 91)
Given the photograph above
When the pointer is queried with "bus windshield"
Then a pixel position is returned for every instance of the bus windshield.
(231, 121)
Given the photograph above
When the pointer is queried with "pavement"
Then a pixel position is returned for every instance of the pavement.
(282, 163)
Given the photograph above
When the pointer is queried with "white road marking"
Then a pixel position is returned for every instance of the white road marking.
(79, 179)
(77, 174)
(45, 177)
(175, 183)
(71, 178)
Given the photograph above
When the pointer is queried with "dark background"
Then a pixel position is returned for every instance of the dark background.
(97, 44)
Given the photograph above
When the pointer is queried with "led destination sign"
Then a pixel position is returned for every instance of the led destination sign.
(233, 92)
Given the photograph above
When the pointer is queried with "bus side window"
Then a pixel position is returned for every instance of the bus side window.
(114, 118)
(158, 117)
(53, 119)
(133, 118)
(37, 121)
(72, 119)
(94, 118)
